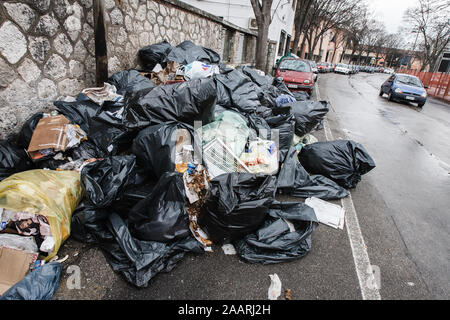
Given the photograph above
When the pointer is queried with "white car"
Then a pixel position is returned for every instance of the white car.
(342, 68)
(388, 71)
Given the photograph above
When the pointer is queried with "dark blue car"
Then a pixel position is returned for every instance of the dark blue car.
(404, 87)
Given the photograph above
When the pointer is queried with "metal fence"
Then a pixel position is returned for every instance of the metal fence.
(438, 83)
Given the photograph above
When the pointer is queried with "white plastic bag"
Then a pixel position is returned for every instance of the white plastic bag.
(198, 69)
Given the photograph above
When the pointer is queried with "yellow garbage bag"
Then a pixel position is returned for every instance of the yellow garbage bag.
(53, 194)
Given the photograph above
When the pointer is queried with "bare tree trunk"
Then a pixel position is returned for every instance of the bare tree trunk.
(301, 13)
(263, 20)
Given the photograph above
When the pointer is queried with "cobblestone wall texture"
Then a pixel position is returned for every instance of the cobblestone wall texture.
(47, 47)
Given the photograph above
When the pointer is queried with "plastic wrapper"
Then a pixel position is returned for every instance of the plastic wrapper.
(53, 194)
(293, 180)
(262, 157)
(40, 284)
(198, 69)
(308, 114)
(18, 242)
(162, 215)
(343, 161)
(284, 236)
(184, 102)
(237, 205)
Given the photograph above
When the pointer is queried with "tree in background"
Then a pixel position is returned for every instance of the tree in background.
(300, 19)
(430, 19)
(262, 9)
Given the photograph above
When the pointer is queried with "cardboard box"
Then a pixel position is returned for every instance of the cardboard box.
(50, 133)
(14, 265)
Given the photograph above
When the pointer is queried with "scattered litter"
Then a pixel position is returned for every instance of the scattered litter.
(228, 249)
(275, 287)
(327, 213)
(287, 294)
(101, 94)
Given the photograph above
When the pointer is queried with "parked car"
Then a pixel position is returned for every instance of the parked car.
(388, 70)
(322, 67)
(404, 87)
(342, 68)
(330, 67)
(314, 69)
(297, 74)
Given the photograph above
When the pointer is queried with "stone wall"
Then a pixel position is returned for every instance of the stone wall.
(47, 47)
(46, 53)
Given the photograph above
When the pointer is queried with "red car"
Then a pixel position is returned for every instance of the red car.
(296, 74)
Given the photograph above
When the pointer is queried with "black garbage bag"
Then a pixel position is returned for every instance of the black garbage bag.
(281, 86)
(12, 160)
(130, 81)
(260, 126)
(153, 54)
(301, 95)
(88, 223)
(293, 180)
(186, 102)
(188, 52)
(25, 134)
(86, 150)
(139, 261)
(105, 179)
(155, 147)
(238, 92)
(78, 112)
(39, 284)
(308, 114)
(276, 241)
(283, 121)
(131, 195)
(162, 215)
(236, 205)
(343, 161)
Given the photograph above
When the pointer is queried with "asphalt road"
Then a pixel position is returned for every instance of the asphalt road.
(402, 208)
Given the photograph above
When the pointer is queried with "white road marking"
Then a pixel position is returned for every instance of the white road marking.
(369, 287)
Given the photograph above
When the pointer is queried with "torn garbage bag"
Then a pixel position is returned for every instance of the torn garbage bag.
(139, 261)
(162, 215)
(153, 54)
(185, 102)
(52, 194)
(166, 147)
(236, 205)
(343, 161)
(40, 284)
(188, 52)
(105, 179)
(293, 180)
(130, 81)
(308, 114)
(284, 236)
(12, 160)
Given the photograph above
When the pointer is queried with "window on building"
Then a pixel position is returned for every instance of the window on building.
(281, 44)
(288, 44)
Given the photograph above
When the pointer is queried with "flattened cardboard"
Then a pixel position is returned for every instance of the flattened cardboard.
(14, 265)
(50, 133)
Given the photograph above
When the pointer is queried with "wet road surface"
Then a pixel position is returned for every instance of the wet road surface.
(402, 207)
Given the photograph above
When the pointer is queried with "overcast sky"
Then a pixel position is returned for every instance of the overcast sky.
(390, 12)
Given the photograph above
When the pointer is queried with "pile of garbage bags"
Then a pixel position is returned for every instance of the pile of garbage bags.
(173, 158)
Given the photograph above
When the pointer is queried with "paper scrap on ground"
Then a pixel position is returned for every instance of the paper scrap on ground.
(275, 287)
(228, 249)
(327, 213)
